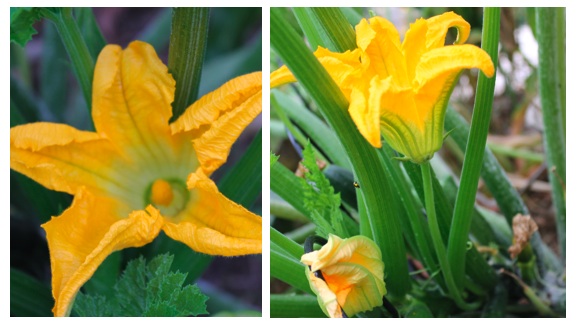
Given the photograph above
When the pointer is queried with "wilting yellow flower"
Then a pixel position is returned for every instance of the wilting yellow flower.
(353, 275)
(138, 174)
(401, 90)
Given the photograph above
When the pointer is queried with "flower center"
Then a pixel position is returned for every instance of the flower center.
(170, 196)
(161, 192)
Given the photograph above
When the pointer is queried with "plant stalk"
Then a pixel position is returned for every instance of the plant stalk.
(186, 54)
(474, 153)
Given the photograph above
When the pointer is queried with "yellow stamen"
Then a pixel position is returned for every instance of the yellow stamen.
(161, 193)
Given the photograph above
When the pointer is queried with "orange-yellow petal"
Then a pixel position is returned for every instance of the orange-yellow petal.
(327, 299)
(82, 237)
(132, 96)
(215, 225)
(200, 116)
(414, 45)
(438, 27)
(448, 61)
(342, 67)
(213, 146)
(367, 120)
(280, 77)
(63, 158)
(382, 54)
(353, 271)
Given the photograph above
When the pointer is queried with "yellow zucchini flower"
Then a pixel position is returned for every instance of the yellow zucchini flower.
(138, 174)
(353, 275)
(401, 90)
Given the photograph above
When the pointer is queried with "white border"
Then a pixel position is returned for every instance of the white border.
(265, 325)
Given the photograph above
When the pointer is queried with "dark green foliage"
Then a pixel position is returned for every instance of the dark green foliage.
(28, 296)
(146, 290)
(21, 21)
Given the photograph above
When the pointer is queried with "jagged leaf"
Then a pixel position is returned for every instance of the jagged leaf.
(147, 289)
(320, 199)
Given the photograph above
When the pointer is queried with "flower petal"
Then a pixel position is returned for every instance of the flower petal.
(132, 96)
(63, 158)
(201, 115)
(342, 67)
(353, 270)
(382, 55)
(450, 60)
(326, 298)
(356, 288)
(84, 235)
(367, 120)
(213, 146)
(414, 45)
(214, 224)
(438, 28)
(280, 77)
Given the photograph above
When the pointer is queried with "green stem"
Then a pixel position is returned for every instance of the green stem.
(186, 54)
(282, 209)
(288, 269)
(290, 246)
(326, 27)
(413, 210)
(554, 138)
(561, 62)
(474, 153)
(283, 305)
(437, 240)
(82, 61)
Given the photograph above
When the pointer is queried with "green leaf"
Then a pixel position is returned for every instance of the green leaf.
(147, 290)
(288, 269)
(93, 306)
(288, 186)
(21, 21)
(287, 245)
(28, 296)
(283, 305)
(320, 200)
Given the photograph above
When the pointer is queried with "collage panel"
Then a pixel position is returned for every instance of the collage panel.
(135, 162)
(417, 162)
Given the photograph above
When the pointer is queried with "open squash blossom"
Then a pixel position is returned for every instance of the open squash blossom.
(353, 275)
(138, 174)
(401, 90)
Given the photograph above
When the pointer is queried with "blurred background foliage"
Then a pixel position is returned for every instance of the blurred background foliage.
(44, 88)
